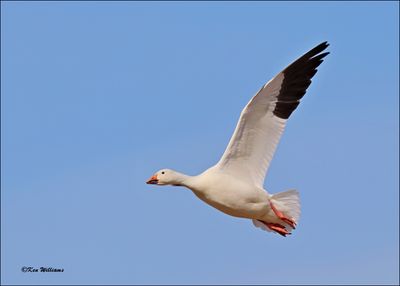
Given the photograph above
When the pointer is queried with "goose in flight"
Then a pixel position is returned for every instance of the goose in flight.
(235, 184)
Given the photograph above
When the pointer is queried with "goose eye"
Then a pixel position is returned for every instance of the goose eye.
(163, 173)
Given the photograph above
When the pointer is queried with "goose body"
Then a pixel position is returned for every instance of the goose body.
(243, 199)
(235, 184)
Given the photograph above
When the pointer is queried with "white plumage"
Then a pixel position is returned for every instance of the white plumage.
(235, 184)
(256, 136)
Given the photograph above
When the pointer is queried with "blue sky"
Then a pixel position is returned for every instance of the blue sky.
(96, 96)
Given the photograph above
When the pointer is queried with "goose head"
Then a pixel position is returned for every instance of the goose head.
(166, 177)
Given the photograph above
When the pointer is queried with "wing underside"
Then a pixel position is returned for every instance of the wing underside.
(263, 120)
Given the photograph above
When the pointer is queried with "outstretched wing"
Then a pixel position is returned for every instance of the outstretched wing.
(263, 120)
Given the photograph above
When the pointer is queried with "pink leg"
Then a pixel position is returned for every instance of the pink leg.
(278, 228)
(281, 216)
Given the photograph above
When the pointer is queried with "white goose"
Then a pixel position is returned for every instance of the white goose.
(235, 184)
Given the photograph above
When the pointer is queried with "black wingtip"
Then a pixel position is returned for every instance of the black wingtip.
(322, 46)
(325, 43)
(319, 56)
(316, 50)
(297, 78)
